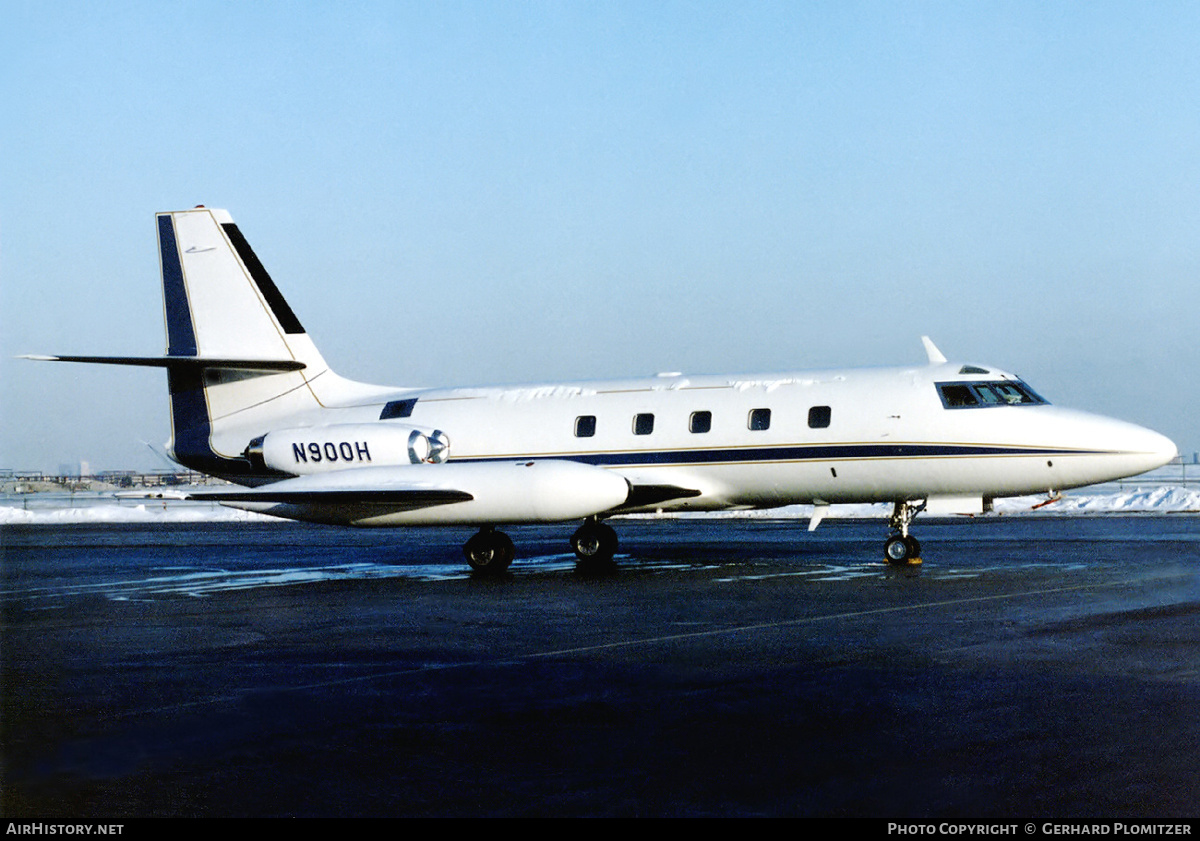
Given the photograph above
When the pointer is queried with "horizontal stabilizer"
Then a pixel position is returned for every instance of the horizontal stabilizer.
(179, 362)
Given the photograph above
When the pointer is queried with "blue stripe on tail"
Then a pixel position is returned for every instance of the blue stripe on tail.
(181, 335)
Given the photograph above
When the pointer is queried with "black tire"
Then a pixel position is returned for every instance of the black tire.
(914, 548)
(489, 552)
(506, 548)
(594, 543)
(897, 550)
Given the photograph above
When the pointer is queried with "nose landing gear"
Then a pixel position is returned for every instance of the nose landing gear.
(903, 548)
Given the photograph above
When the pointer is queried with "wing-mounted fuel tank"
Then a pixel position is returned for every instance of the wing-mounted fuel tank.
(321, 449)
(471, 493)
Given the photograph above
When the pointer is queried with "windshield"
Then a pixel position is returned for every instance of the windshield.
(983, 394)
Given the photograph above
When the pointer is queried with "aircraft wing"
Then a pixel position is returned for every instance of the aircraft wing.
(393, 498)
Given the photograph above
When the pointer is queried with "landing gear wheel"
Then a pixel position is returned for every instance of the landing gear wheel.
(902, 547)
(489, 551)
(914, 549)
(898, 550)
(594, 543)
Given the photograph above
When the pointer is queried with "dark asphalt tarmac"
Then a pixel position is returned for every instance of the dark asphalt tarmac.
(1029, 669)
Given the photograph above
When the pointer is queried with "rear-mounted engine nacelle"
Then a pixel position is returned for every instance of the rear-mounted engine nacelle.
(320, 449)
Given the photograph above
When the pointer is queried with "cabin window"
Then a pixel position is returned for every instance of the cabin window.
(986, 394)
(819, 416)
(759, 419)
(700, 422)
(585, 426)
(643, 424)
(398, 409)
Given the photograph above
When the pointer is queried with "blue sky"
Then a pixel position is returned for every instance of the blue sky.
(464, 193)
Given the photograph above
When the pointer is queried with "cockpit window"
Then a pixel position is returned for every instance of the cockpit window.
(985, 394)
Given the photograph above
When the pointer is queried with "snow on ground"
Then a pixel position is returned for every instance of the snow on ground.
(1155, 500)
(97, 508)
(1152, 500)
(56, 509)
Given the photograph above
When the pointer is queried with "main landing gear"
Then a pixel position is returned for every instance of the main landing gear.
(489, 551)
(594, 543)
(903, 548)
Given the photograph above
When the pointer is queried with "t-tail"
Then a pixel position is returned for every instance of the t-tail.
(238, 360)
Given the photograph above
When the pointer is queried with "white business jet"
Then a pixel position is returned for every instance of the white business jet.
(253, 402)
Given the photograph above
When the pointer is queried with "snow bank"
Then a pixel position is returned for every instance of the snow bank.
(112, 511)
(1155, 500)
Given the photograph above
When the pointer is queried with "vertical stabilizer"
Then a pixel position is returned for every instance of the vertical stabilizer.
(220, 303)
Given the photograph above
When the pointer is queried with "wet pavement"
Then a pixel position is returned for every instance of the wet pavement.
(1037, 669)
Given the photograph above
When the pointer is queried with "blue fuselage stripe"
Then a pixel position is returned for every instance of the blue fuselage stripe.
(793, 453)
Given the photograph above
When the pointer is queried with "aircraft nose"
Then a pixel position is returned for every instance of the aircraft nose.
(1148, 448)
(1163, 448)
(1118, 449)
